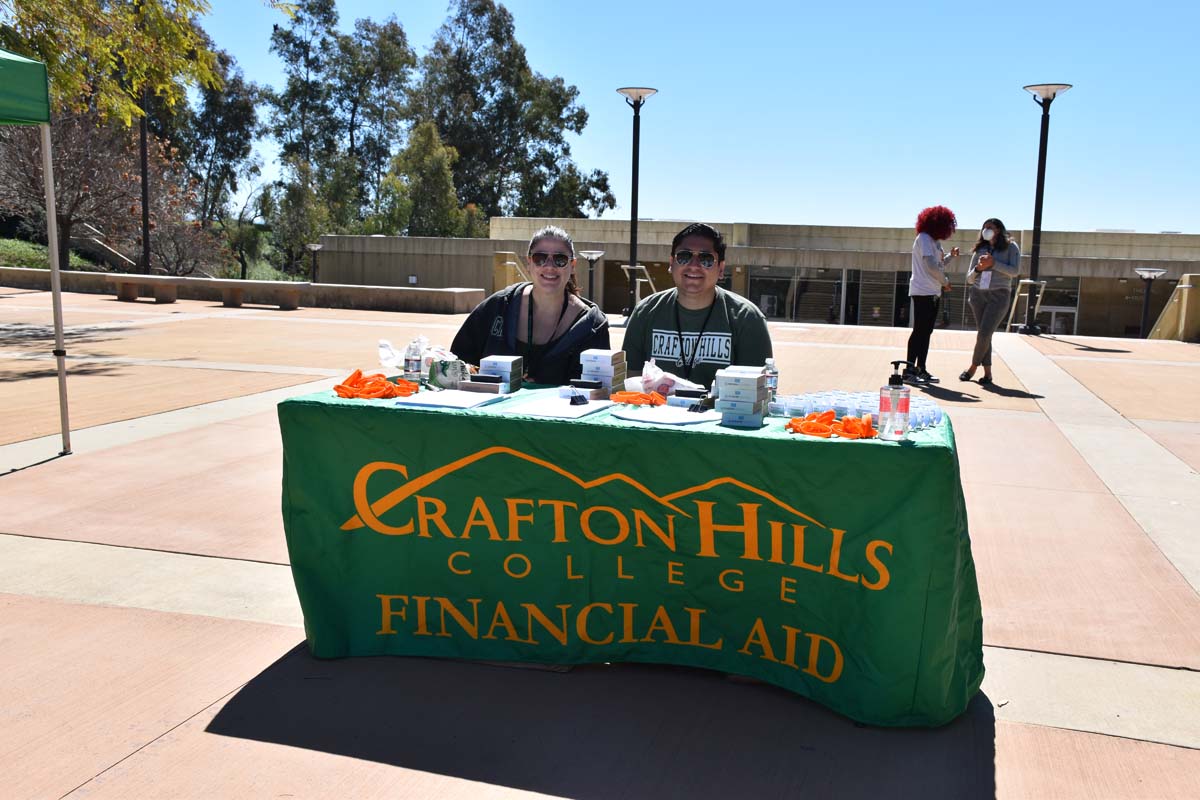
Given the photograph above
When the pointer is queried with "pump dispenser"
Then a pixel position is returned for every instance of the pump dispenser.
(893, 406)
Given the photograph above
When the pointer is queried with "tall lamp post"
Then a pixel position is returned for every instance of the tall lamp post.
(592, 257)
(313, 248)
(635, 96)
(1043, 95)
(1148, 276)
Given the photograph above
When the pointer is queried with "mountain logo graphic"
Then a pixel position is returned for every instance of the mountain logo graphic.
(368, 512)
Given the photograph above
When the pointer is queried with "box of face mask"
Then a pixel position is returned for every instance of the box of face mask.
(737, 392)
(607, 381)
(601, 357)
(592, 369)
(742, 420)
(740, 376)
(502, 365)
(486, 388)
(726, 406)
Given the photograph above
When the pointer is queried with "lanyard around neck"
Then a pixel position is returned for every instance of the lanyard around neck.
(687, 365)
(529, 332)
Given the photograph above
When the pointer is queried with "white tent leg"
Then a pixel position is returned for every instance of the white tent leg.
(60, 352)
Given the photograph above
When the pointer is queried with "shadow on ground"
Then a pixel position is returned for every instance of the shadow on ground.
(632, 731)
(1086, 347)
(945, 393)
(21, 333)
(1004, 391)
(73, 371)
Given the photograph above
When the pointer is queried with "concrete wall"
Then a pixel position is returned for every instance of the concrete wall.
(391, 260)
(379, 298)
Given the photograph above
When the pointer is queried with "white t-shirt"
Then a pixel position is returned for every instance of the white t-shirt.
(928, 275)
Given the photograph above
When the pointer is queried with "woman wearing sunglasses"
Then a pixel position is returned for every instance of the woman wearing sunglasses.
(544, 321)
(995, 263)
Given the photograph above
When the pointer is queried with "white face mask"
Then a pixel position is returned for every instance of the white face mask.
(988, 234)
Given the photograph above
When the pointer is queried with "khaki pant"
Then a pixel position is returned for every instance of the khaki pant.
(989, 307)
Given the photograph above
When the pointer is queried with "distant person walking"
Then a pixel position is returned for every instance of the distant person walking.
(934, 225)
(995, 264)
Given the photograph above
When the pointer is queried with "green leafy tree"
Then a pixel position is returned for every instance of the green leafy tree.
(304, 121)
(299, 217)
(95, 177)
(371, 76)
(217, 141)
(426, 183)
(503, 119)
(103, 54)
(246, 234)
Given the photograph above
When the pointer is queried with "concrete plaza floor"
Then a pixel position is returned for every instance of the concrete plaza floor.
(151, 642)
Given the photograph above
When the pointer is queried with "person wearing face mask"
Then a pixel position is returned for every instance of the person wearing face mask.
(696, 328)
(544, 321)
(995, 264)
(934, 224)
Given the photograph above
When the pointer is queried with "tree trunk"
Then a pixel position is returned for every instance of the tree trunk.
(64, 244)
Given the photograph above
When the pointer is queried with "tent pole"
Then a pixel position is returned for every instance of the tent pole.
(60, 352)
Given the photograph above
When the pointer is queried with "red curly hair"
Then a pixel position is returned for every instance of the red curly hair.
(938, 221)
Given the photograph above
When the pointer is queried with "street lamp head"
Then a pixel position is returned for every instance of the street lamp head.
(1149, 273)
(636, 95)
(314, 247)
(1047, 91)
(592, 255)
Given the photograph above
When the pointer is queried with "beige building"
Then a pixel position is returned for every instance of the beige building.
(802, 273)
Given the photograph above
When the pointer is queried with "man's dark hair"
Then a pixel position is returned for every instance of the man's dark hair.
(701, 229)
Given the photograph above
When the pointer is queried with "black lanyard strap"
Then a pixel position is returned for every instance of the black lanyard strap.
(529, 336)
(687, 365)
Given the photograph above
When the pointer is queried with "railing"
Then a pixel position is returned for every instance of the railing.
(1180, 317)
(1028, 286)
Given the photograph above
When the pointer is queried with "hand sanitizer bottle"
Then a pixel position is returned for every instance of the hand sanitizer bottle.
(893, 406)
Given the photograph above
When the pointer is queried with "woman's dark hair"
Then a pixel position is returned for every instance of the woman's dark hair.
(999, 242)
(938, 221)
(559, 235)
(708, 232)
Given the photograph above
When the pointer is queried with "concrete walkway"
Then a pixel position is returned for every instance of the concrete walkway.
(148, 611)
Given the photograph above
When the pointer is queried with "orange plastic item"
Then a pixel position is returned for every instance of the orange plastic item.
(373, 387)
(638, 398)
(825, 424)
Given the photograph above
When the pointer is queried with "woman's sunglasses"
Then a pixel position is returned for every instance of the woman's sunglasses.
(703, 258)
(558, 260)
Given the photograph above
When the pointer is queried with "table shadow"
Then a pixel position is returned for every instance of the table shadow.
(599, 731)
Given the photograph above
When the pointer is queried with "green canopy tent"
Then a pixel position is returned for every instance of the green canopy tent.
(25, 100)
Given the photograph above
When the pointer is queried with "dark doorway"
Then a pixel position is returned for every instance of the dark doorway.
(900, 314)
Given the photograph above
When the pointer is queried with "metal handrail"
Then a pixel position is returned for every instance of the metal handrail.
(1017, 295)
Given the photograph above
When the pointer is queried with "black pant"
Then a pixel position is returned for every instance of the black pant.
(925, 308)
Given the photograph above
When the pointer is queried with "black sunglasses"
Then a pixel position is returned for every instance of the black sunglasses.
(560, 260)
(703, 258)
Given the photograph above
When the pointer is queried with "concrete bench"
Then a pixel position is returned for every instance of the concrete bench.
(285, 294)
(129, 286)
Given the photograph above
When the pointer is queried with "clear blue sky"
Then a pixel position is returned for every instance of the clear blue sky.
(856, 113)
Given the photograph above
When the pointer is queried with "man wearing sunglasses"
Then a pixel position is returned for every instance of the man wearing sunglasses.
(696, 328)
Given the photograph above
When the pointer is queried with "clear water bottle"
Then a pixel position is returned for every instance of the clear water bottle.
(412, 362)
(893, 407)
(772, 373)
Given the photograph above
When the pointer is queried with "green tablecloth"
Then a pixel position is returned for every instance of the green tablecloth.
(838, 569)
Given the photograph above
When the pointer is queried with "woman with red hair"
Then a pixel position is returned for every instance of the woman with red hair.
(934, 225)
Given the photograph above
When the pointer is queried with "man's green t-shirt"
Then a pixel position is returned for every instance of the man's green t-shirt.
(735, 333)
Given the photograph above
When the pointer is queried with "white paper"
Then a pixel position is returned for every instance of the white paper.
(450, 398)
(665, 415)
(555, 407)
